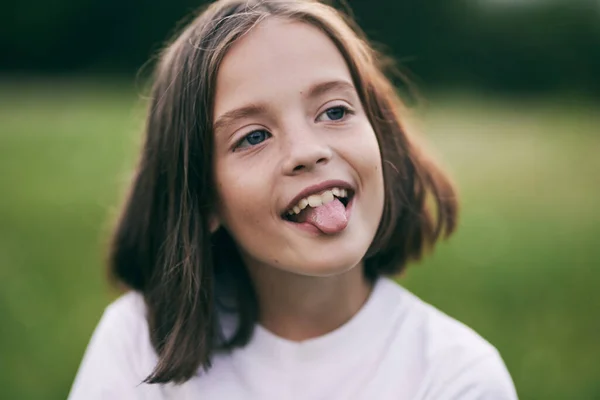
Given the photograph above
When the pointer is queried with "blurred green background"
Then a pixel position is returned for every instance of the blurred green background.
(512, 90)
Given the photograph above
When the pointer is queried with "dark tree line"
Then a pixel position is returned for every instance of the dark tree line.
(555, 46)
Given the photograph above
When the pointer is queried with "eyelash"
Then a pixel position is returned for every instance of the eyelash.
(347, 111)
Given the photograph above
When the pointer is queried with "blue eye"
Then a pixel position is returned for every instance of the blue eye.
(334, 113)
(254, 138)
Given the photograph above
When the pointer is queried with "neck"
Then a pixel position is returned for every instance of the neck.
(299, 307)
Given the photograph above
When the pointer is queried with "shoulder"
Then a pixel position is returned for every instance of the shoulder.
(437, 332)
(126, 313)
(119, 355)
(124, 327)
(454, 360)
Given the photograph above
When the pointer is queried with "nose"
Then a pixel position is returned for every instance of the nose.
(305, 152)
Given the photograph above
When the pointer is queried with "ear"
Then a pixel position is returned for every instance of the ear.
(213, 223)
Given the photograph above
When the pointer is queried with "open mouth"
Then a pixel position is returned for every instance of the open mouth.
(298, 213)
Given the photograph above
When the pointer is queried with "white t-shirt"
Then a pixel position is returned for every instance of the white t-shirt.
(396, 347)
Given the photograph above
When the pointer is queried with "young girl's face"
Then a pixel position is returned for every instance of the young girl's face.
(289, 124)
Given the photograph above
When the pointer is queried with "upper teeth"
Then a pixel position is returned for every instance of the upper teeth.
(316, 200)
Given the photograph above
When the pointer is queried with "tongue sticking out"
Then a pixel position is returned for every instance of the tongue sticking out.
(329, 218)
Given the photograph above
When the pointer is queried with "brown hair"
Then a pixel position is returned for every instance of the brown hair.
(162, 245)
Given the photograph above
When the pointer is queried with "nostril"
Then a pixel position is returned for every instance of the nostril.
(298, 163)
(301, 167)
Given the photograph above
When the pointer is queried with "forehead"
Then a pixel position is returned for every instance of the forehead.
(277, 57)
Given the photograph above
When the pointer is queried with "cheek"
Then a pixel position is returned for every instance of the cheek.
(233, 196)
(366, 153)
(242, 194)
(368, 165)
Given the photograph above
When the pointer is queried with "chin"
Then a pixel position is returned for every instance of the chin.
(330, 264)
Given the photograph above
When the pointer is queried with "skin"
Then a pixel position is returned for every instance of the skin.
(307, 284)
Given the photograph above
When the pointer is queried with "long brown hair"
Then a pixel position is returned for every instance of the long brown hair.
(163, 246)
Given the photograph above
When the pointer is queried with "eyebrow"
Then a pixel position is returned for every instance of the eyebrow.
(253, 110)
(229, 117)
(324, 87)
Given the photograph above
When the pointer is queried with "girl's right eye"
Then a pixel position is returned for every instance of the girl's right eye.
(253, 138)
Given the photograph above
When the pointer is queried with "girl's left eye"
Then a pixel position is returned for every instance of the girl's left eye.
(334, 113)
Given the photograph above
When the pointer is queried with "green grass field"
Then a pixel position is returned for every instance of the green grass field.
(522, 270)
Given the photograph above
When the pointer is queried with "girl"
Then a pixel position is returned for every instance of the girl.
(276, 190)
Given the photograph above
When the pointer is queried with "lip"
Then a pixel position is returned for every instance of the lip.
(316, 189)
